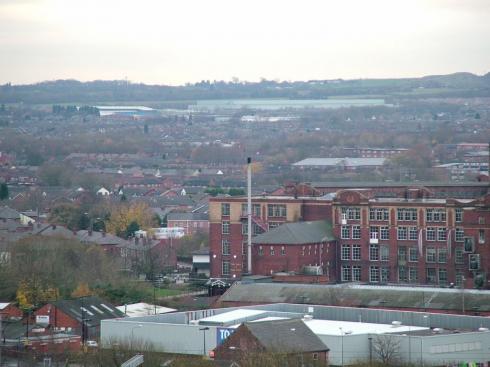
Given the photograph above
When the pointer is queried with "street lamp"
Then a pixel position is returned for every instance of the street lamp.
(132, 334)
(204, 338)
(342, 333)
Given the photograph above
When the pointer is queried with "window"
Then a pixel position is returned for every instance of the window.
(225, 209)
(459, 278)
(402, 254)
(356, 252)
(303, 251)
(442, 255)
(474, 262)
(385, 274)
(273, 225)
(441, 234)
(413, 254)
(469, 244)
(352, 213)
(345, 252)
(261, 251)
(402, 233)
(481, 236)
(430, 255)
(385, 233)
(225, 247)
(373, 232)
(272, 251)
(245, 248)
(430, 234)
(384, 252)
(406, 214)
(225, 267)
(356, 232)
(459, 234)
(381, 214)
(412, 234)
(402, 274)
(442, 276)
(481, 220)
(431, 275)
(245, 228)
(276, 210)
(374, 274)
(435, 215)
(373, 252)
(256, 229)
(283, 251)
(346, 273)
(458, 255)
(255, 210)
(345, 232)
(458, 215)
(356, 273)
(315, 356)
(225, 227)
(413, 275)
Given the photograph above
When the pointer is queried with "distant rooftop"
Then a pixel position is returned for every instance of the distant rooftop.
(349, 162)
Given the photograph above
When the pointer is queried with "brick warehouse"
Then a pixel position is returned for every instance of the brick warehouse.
(414, 237)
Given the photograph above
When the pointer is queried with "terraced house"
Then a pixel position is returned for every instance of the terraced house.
(356, 235)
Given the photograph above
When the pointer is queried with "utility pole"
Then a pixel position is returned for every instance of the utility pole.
(249, 215)
(462, 294)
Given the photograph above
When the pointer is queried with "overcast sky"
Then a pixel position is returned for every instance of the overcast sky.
(179, 41)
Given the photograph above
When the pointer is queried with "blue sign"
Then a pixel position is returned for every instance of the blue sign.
(222, 333)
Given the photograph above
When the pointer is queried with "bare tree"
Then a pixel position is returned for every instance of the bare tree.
(387, 348)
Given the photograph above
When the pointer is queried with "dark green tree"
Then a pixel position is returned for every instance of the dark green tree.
(131, 228)
(4, 191)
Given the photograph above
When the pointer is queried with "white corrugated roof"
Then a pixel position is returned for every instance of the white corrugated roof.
(331, 327)
(143, 309)
(232, 316)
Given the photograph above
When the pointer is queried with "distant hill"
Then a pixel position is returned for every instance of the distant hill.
(99, 91)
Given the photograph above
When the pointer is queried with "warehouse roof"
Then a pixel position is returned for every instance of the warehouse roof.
(358, 296)
(297, 233)
(350, 162)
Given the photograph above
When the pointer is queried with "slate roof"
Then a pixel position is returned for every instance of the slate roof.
(297, 233)
(357, 296)
(53, 230)
(187, 216)
(95, 309)
(371, 184)
(286, 336)
(8, 213)
(202, 251)
(99, 238)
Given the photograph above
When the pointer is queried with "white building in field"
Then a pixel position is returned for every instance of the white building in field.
(163, 233)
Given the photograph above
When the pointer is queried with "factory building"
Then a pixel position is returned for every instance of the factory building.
(348, 334)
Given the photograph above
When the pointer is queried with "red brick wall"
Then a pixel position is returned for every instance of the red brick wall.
(294, 259)
(10, 311)
(57, 318)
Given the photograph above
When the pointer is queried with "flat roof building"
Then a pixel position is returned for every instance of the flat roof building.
(351, 334)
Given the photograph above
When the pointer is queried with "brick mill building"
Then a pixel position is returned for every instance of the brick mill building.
(382, 235)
